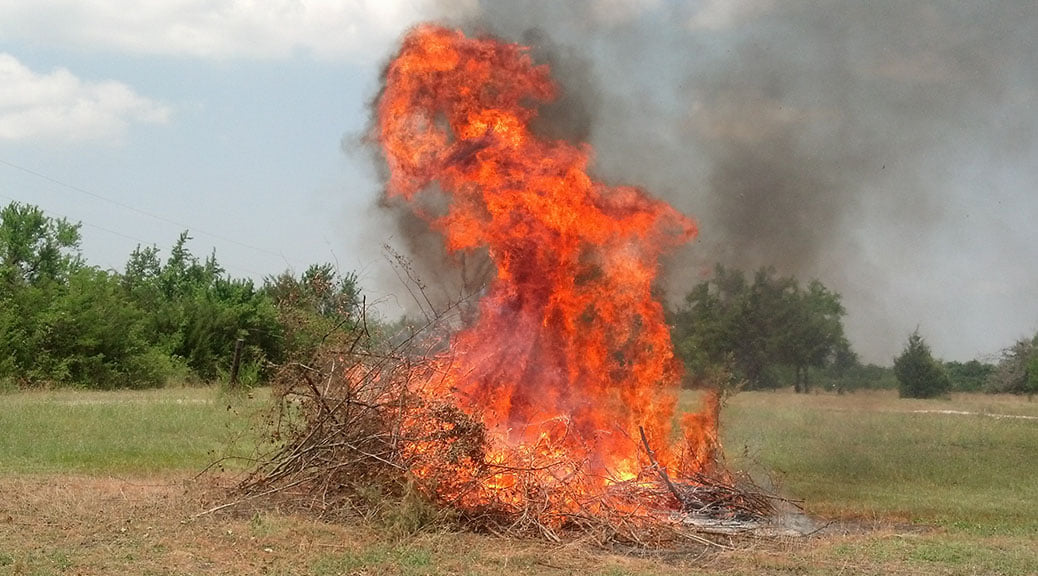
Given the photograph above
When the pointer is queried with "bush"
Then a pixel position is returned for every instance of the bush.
(918, 374)
(1017, 371)
(968, 376)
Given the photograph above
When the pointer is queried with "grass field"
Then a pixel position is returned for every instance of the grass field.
(104, 483)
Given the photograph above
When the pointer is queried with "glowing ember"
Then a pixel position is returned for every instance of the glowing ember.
(570, 353)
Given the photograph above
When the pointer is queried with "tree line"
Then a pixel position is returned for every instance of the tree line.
(63, 322)
(770, 331)
(177, 318)
(764, 332)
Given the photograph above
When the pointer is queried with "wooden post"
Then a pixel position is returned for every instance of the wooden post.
(236, 362)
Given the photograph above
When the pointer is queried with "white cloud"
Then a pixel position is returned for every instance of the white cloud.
(222, 29)
(60, 107)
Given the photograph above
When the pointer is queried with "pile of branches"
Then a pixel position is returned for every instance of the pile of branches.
(357, 432)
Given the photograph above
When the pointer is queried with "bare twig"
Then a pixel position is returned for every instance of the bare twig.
(662, 471)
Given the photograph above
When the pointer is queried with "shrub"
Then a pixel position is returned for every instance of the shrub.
(1017, 371)
(918, 374)
(968, 376)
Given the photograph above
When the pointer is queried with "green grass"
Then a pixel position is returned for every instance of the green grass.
(870, 455)
(928, 493)
(139, 432)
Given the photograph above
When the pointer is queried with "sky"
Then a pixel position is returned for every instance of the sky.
(886, 148)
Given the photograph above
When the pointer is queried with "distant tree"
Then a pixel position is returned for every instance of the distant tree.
(94, 336)
(65, 323)
(320, 306)
(918, 374)
(197, 312)
(38, 254)
(1017, 370)
(813, 335)
(968, 376)
(760, 329)
(1032, 375)
(35, 247)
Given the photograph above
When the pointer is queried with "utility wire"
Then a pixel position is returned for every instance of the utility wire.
(123, 205)
(120, 234)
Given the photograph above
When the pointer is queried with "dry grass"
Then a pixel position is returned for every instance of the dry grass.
(55, 522)
(94, 525)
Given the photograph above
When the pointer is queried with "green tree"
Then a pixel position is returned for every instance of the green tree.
(1017, 370)
(196, 312)
(1032, 375)
(34, 247)
(319, 307)
(760, 329)
(62, 322)
(968, 376)
(811, 332)
(918, 374)
(37, 255)
(97, 336)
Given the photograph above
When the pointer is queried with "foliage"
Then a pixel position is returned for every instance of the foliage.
(321, 306)
(1017, 370)
(761, 329)
(1032, 375)
(968, 376)
(35, 248)
(197, 313)
(60, 321)
(918, 374)
(65, 323)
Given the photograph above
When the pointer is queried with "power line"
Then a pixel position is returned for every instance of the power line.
(131, 208)
(139, 241)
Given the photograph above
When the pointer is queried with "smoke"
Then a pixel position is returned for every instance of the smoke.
(862, 143)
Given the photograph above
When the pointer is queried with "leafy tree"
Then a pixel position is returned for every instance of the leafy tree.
(1032, 376)
(1017, 370)
(35, 247)
(37, 255)
(813, 332)
(319, 306)
(968, 376)
(760, 329)
(197, 313)
(63, 322)
(918, 374)
(97, 336)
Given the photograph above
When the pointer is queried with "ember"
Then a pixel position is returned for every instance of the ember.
(554, 407)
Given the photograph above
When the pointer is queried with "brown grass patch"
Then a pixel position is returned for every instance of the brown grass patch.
(91, 526)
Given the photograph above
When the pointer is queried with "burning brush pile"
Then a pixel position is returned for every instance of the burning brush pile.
(553, 408)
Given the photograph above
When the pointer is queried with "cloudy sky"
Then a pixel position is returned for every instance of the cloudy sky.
(889, 150)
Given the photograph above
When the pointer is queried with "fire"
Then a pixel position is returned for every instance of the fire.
(570, 355)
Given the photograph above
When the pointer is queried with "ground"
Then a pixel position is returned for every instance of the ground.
(107, 483)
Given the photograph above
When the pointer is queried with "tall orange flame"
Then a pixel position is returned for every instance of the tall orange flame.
(570, 351)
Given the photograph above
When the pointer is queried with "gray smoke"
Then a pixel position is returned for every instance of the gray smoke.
(859, 143)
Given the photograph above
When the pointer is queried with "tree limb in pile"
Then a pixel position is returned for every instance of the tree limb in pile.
(662, 471)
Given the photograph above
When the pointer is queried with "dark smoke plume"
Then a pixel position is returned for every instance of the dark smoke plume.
(828, 139)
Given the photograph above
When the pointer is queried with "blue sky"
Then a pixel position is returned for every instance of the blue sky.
(241, 121)
(232, 127)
